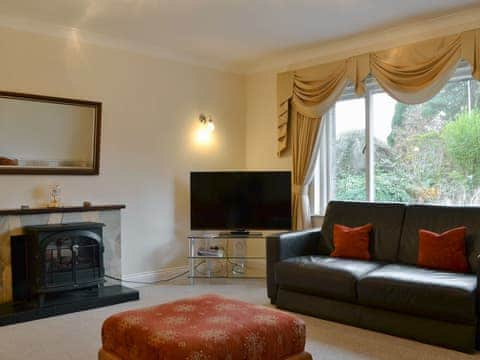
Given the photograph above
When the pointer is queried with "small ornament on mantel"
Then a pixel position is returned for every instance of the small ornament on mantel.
(54, 196)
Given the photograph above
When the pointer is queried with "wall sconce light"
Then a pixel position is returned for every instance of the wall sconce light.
(205, 131)
(207, 122)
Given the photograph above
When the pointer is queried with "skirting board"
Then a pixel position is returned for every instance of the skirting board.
(154, 276)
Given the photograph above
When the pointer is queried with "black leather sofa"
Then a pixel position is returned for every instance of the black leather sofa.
(389, 293)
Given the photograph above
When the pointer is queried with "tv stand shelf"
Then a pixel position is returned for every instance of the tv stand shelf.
(225, 255)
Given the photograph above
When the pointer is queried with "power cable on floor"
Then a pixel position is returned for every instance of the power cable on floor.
(153, 282)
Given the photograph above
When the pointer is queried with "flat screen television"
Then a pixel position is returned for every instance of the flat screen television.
(240, 200)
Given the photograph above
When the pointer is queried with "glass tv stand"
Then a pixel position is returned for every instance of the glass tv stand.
(226, 255)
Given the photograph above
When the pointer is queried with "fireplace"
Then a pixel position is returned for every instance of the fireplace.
(58, 258)
(56, 269)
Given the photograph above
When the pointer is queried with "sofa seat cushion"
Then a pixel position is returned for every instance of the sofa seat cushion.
(430, 293)
(322, 275)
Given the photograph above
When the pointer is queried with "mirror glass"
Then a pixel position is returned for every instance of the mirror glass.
(48, 135)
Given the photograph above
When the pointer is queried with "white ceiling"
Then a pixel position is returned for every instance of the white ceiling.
(224, 33)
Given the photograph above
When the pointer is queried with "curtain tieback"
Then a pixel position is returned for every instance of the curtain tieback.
(300, 190)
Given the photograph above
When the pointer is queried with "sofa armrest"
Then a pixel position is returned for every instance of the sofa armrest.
(285, 245)
(478, 278)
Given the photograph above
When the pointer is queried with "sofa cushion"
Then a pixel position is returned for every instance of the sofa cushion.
(322, 275)
(444, 251)
(387, 219)
(439, 219)
(351, 243)
(429, 293)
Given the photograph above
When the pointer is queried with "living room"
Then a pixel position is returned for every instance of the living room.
(372, 101)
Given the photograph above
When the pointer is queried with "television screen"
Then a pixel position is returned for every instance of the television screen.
(257, 200)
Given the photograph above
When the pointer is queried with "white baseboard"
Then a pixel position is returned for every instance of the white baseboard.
(153, 276)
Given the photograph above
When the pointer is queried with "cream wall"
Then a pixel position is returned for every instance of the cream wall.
(150, 107)
(261, 123)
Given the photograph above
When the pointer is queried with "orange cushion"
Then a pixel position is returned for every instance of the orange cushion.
(443, 251)
(351, 243)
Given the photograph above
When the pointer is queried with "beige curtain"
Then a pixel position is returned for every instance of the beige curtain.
(411, 74)
(471, 50)
(305, 97)
(306, 134)
(313, 90)
(284, 94)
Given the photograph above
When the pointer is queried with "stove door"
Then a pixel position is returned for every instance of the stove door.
(72, 260)
(88, 266)
(59, 262)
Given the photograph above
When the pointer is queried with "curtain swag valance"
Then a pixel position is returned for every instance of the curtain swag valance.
(411, 74)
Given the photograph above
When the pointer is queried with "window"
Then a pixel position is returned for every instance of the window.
(377, 149)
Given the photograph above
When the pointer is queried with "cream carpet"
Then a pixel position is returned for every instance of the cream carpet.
(77, 336)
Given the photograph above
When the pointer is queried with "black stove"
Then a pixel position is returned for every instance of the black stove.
(61, 257)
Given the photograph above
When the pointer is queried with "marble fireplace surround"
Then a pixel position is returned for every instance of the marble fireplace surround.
(13, 221)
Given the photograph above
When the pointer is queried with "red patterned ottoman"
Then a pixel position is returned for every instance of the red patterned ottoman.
(208, 327)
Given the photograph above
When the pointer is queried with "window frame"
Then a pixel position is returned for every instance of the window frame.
(322, 188)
